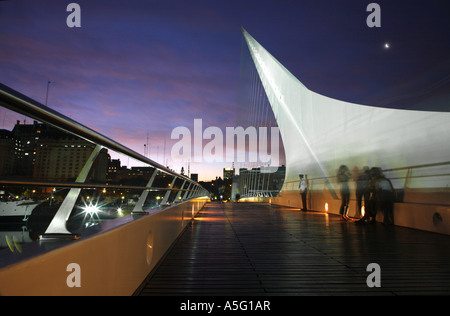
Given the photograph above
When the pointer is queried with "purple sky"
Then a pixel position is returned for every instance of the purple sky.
(140, 67)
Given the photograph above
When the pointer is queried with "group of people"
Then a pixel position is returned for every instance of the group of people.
(372, 188)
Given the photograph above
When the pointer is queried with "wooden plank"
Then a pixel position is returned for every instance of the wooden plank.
(258, 249)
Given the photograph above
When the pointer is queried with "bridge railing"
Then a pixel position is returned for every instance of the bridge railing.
(62, 206)
(261, 182)
(429, 178)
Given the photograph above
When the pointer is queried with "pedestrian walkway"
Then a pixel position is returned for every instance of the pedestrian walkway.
(258, 249)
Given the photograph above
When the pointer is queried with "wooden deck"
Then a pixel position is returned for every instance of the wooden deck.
(256, 249)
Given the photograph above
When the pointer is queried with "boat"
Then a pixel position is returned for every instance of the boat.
(16, 209)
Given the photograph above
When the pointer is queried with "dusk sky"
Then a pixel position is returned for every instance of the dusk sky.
(141, 67)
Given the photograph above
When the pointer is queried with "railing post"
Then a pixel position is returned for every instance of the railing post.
(191, 193)
(138, 208)
(187, 192)
(166, 196)
(177, 198)
(57, 227)
(196, 192)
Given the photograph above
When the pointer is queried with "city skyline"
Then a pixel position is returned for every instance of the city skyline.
(139, 69)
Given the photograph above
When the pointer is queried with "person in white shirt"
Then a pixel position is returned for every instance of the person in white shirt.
(303, 187)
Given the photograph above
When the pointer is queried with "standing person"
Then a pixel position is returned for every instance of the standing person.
(375, 175)
(386, 199)
(343, 176)
(303, 187)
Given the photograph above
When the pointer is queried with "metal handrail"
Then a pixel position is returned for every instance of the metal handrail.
(22, 104)
(85, 185)
(437, 164)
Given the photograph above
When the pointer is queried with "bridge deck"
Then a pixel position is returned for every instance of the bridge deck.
(257, 249)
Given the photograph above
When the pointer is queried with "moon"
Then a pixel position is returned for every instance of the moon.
(387, 45)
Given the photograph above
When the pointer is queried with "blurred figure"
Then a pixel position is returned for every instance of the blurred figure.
(386, 198)
(362, 191)
(374, 202)
(343, 176)
(382, 197)
(371, 213)
(303, 187)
